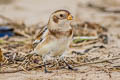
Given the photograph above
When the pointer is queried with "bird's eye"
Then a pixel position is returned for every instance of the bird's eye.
(61, 15)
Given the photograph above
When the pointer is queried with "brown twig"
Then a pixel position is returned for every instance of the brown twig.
(96, 62)
(14, 71)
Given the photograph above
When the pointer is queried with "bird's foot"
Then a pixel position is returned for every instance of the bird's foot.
(46, 71)
(73, 69)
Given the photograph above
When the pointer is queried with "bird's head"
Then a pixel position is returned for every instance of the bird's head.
(60, 19)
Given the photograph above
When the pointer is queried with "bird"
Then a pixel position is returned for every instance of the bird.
(55, 38)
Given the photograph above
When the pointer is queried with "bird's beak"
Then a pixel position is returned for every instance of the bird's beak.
(69, 17)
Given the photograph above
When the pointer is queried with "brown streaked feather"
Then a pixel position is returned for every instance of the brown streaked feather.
(69, 33)
(47, 40)
(55, 19)
(58, 34)
(41, 33)
(43, 47)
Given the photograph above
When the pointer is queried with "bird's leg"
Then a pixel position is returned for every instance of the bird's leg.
(69, 67)
(45, 68)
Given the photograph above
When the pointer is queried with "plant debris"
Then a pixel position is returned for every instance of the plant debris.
(1, 55)
(95, 46)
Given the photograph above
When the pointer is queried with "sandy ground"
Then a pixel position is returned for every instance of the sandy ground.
(38, 11)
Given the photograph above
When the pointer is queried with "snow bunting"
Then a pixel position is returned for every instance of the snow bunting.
(55, 38)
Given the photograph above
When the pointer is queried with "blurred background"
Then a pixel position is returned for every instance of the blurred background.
(35, 11)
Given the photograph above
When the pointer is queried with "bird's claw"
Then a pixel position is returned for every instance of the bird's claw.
(46, 71)
(70, 68)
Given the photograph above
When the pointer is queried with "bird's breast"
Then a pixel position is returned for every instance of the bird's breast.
(54, 47)
(59, 46)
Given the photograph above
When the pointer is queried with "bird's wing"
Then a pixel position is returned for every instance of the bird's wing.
(41, 33)
(45, 46)
(40, 36)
